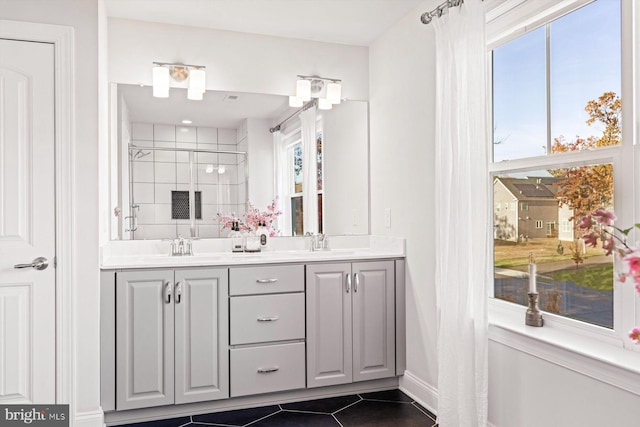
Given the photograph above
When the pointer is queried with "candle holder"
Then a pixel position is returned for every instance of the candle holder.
(534, 315)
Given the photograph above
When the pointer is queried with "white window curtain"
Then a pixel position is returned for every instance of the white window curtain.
(309, 171)
(282, 184)
(462, 231)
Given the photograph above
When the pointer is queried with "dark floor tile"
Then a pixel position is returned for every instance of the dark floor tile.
(372, 413)
(425, 410)
(297, 419)
(172, 422)
(326, 406)
(238, 417)
(390, 395)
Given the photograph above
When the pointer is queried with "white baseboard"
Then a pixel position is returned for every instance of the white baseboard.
(88, 419)
(423, 393)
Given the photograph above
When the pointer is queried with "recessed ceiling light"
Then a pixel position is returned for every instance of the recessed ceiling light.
(186, 122)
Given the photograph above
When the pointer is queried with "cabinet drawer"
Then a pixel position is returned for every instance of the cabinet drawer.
(264, 318)
(266, 280)
(256, 370)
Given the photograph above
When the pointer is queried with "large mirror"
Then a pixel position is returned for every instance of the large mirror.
(181, 163)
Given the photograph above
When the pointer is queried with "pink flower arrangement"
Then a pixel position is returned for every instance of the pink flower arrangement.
(599, 226)
(253, 217)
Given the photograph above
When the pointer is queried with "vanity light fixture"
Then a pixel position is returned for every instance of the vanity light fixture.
(163, 73)
(210, 168)
(160, 82)
(308, 87)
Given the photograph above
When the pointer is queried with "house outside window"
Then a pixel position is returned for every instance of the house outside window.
(557, 148)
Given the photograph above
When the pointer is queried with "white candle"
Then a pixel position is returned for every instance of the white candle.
(532, 274)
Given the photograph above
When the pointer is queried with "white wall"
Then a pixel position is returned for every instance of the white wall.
(83, 17)
(526, 391)
(345, 164)
(235, 61)
(261, 163)
(402, 120)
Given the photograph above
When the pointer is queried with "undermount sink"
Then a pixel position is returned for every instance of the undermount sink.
(160, 259)
(321, 253)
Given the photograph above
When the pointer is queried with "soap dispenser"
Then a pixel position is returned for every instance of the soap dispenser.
(236, 238)
(263, 233)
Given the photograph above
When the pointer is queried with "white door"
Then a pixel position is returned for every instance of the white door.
(27, 222)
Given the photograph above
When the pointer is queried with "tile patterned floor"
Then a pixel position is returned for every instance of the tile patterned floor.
(379, 409)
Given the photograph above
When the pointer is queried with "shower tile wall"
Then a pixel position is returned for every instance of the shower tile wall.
(157, 173)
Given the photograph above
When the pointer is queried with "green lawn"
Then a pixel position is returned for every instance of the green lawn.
(599, 277)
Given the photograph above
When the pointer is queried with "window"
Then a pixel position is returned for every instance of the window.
(556, 93)
(294, 155)
(512, 206)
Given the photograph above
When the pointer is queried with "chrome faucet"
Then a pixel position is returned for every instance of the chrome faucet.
(318, 242)
(181, 247)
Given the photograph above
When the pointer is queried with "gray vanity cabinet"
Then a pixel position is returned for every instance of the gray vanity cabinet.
(350, 322)
(171, 337)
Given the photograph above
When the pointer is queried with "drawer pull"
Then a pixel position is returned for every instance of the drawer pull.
(266, 280)
(267, 370)
(167, 292)
(268, 319)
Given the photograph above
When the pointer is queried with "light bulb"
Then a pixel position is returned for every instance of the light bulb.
(209, 169)
(294, 101)
(160, 82)
(303, 89)
(334, 92)
(197, 80)
(324, 104)
(221, 169)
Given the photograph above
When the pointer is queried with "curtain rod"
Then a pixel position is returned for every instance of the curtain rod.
(308, 105)
(427, 17)
(193, 150)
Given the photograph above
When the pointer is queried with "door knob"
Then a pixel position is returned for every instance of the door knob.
(39, 263)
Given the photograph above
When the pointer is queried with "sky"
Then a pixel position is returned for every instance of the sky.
(585, 63)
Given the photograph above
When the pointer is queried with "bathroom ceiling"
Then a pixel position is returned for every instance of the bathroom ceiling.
(352, 22)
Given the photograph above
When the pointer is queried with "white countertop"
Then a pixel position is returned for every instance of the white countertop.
(216, 252)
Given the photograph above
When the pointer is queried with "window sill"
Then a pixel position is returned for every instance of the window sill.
(602, 359)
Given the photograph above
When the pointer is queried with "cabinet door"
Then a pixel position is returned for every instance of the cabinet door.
(328, 325)
(144, 339)
(201, 335)
(373, 320)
